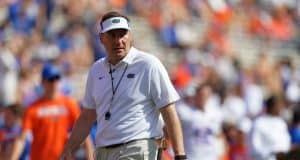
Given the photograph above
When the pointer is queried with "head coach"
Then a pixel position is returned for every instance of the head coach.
(126, 92)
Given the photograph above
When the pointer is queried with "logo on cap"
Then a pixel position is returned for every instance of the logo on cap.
(115, 21)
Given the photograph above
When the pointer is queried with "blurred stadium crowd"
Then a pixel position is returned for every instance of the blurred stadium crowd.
(246, 50)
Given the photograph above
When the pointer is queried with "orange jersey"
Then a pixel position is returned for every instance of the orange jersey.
(49, 122)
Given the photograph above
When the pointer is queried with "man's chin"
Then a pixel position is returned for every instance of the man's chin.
(120, 53)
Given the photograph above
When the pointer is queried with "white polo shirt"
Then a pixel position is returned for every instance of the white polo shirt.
(143, 90)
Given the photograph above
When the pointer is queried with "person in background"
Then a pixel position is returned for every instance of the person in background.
(10, 130)
(202, 126)
(270, 138)
(49, 119)
(294, 130)
(8, 76)
(237, 138)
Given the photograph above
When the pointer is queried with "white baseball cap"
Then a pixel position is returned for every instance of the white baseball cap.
(114, 23)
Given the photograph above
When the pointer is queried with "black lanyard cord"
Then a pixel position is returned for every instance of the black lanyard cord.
(114, 90)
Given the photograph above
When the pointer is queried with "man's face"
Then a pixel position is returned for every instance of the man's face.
(9, 118)
(276, 110)
(202, 96)
(51, 86)
(117, 43)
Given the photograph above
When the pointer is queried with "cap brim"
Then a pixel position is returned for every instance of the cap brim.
(57, 76)
(115, 27)
(114, 23)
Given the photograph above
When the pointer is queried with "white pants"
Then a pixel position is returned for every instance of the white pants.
(137, 150)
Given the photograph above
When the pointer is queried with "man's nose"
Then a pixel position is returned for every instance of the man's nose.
(117, 40)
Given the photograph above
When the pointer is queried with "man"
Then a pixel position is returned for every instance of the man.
(125, 93)
(270, 138)
(202, 125)
(10, 130)
(49, 119)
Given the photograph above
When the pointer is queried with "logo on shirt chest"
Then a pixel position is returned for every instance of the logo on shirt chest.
(130, 75)
(51, 111)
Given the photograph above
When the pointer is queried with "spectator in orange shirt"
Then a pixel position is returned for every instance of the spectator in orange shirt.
(49, 119)
(237, 139)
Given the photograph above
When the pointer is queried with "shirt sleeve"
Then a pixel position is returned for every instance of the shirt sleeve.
(285, 141)
(28, 120)
(259, 150)
(161, 88)
(74, 110)
(88, 101)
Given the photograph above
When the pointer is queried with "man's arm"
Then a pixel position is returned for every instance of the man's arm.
(173, 126)
(79, 133)
(18, 146)
(89, 148)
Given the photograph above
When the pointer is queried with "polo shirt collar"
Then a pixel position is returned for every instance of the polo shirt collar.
(130, 56)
